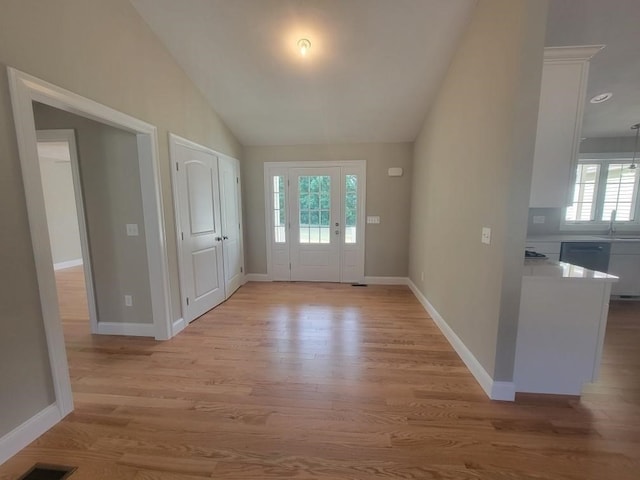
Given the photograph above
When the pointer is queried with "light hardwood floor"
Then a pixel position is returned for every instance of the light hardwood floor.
(325, 381)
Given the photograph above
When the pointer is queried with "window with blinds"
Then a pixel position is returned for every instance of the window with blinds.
(602, 187)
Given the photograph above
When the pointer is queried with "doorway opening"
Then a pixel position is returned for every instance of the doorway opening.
(27, 92)
(64, 207)
(315, 224)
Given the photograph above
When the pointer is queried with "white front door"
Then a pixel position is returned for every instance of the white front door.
(315, 224)
(202, 272)
(228, 170)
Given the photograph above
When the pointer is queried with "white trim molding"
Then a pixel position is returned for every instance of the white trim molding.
(178, 326)
(25, 89)
(578, 53)
(256, 277)
(24, 434)
(67, 264)
(386, 280)
(128, 329)
(494, 390)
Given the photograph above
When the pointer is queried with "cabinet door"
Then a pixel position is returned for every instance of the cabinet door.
(627, 267)
(559, 125)
(563, 89)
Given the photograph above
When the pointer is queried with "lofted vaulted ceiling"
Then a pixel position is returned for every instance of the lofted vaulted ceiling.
(372, 71)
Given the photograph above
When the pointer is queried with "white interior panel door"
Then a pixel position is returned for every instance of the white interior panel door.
(202, 272)
(315, 224)
(230, 203)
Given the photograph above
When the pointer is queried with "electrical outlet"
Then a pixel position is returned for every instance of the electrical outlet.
(539, 219)
(132, 229)
(486, 235)
(128, 300)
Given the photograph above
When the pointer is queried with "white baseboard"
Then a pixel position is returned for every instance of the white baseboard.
(178, 326)
(67, 264)
(256, 277)
(24, 434)
(386, 280)
(130, 329)
(494, 390)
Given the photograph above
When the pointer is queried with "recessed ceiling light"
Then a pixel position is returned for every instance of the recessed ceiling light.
(304, 45)
(602, 97)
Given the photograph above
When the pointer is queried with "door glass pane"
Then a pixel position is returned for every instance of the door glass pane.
(314, 193)
(279, 210)
(351, 208)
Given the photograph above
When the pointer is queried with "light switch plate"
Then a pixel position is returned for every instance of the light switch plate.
(539, 219)
(128, 300)
(373, 219)
(132, 229)
(486, 235)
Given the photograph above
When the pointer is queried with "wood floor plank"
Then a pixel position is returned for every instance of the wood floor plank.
(325, 381)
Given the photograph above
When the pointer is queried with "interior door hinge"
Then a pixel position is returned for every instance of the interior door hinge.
(238, 180)
(177, 167)
(289, 265)
(187, 300)
(182, 234)
(241, 269)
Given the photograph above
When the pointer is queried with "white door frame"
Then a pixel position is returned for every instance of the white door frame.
(276, 168)
(25, 89)
(174, 141)
(69, 136)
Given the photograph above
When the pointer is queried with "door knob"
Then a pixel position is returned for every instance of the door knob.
(224, 237)
(337, 232)
(218, 239)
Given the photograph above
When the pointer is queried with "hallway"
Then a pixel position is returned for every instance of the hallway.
(325, 381)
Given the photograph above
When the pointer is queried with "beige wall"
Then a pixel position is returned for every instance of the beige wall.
(472, 168)
(110, 177)
(60, 205)
(386, 252)
(100, 49)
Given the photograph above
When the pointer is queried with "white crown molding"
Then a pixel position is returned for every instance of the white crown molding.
(580, 53)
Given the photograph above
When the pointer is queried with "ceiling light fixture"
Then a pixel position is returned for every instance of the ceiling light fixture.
(601, 98)
(304, 45)
(635, 127)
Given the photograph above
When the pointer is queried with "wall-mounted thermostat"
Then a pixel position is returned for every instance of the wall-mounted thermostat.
(395, 172)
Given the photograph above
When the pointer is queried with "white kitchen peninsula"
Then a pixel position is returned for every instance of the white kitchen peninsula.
(563, 317)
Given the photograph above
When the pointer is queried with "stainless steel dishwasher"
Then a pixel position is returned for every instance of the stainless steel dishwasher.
(591, 255)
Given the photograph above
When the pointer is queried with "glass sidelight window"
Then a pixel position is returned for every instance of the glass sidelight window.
(314, 193)
(279, 210)
(351, 208)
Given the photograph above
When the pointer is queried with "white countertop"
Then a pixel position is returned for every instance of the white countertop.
(542, 268)
(583, 238)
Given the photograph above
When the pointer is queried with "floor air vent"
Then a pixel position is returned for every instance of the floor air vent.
(41, 471)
